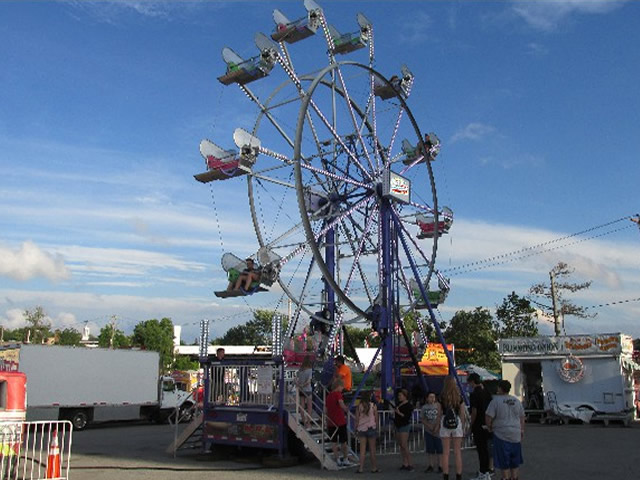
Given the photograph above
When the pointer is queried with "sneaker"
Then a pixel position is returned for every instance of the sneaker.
(429, 469)
(439, 469)
(482, 476)
(409, 468)
(340, 462)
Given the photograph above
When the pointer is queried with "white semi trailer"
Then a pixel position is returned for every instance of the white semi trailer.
(86, 385)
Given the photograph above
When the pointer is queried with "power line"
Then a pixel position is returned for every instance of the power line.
(491, 262)
(614, 303)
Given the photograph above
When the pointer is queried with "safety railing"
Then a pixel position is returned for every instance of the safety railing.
(248, 385)
(35, 450)
(387, 444)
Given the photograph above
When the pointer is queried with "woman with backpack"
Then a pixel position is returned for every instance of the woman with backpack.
(367, 428)
(452, 426)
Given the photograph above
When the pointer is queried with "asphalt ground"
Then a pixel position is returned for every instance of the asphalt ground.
(554, 452)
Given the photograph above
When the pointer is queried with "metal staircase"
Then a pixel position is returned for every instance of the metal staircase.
(190, 437)
(315, 438)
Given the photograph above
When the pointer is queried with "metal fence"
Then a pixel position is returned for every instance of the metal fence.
(35, 450)
(387, 444)
(248, 385)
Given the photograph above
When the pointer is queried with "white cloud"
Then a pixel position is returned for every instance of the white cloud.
(13, 318)
(473, 131)
(415, 28)
(547, 15)
(536, 49)
(514, 160)
(111, 11)
(29, 261)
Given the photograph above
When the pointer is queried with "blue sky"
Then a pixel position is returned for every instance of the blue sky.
(103, 105)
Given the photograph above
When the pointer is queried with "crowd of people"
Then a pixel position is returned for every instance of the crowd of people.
(495, 422)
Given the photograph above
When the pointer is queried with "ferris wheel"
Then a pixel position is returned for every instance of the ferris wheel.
(340, 182)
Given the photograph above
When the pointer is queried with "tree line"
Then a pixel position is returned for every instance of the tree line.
(474, 333)
(152, 334)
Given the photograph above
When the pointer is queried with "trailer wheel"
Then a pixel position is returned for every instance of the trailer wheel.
(79, 419)
(186, 412)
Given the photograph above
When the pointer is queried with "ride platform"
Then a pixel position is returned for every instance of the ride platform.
(220, 174)
(238, 293)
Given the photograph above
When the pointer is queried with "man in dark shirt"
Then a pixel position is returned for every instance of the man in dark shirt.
(479, 400)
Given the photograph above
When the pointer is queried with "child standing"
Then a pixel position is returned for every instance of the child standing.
(337, 423)
(431, 411)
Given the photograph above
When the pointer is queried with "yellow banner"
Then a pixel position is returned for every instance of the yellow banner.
(434, 361)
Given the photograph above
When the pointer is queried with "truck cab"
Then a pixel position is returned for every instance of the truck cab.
(172, 399)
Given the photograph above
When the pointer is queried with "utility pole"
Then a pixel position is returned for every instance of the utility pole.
(114, 320)
(556, 322)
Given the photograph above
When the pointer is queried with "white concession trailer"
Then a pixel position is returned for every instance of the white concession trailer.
(573, 376)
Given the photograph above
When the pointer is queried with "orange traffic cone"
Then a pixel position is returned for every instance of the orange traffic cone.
(53, 460)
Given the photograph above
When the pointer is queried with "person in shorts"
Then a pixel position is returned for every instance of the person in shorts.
(402, 420)
(430, 413)
(451, 400)
(367, 428)
(505, 418)
(337, 422)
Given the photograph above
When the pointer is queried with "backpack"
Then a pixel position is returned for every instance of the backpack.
(450, 419)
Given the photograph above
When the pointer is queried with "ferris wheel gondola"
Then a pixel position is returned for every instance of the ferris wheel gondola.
(292, 32)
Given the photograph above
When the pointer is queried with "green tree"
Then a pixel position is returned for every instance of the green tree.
(411, 318)
(183, 362)
(37, 324)
(15, 335)
(474, 337)
(157, 336)
(515, 318)
(554, 293)
(68, 336)
(120, 340)
(256, 331)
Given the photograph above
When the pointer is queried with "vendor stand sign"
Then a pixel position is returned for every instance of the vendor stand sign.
(610, 344)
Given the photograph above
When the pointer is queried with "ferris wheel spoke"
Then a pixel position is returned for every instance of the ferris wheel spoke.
(412, 302)
(374, 123)
(338, 218)
(339, 140)
(273, 180)
(275, 243)
(424, 208)
(413, 241)
(353, 116)
(336, 177)
(303, 292)
(275, 123)
(296, 80)
(357, 227)
(412, 164)
(357, 252)
(267, 114)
